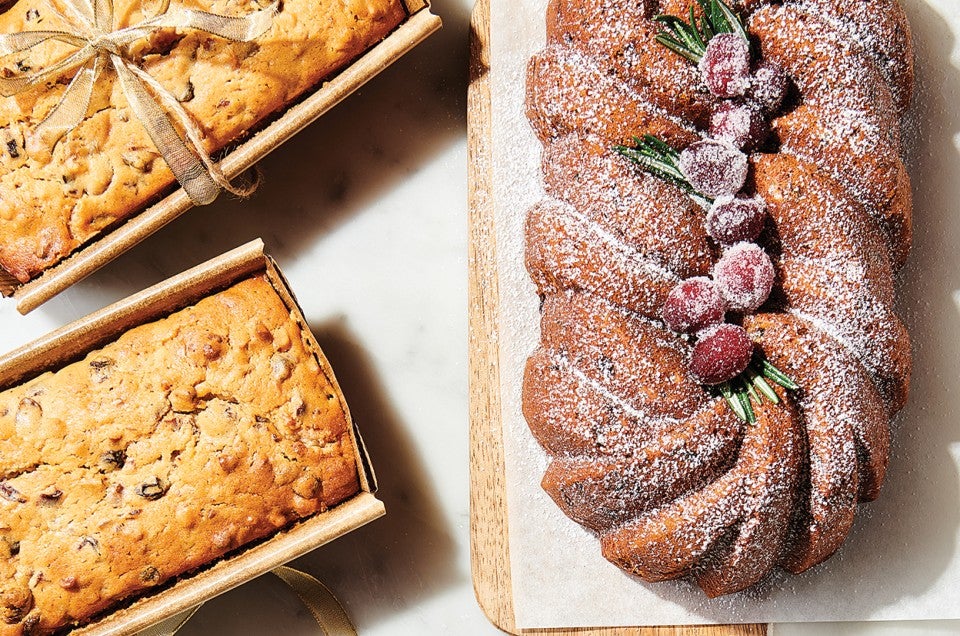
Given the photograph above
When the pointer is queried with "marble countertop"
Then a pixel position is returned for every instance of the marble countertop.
(366, 213)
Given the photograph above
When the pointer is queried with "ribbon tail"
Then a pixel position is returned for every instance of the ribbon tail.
(192, 133)
(170, 626)
(323, 606)
(187, 166)
(239, 29)
(72, 107)
(11, 43)
(103, 15)
(163, 7)
(12, 85)
(81, 12)
(321, 602)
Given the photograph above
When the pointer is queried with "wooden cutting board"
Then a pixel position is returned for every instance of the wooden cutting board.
(490, 557)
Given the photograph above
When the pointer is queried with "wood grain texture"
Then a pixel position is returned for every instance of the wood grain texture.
(489, 557)
(489, 550)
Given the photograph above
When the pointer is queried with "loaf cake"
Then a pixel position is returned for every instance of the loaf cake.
(169, 447)
(54, 200)
(726, 207)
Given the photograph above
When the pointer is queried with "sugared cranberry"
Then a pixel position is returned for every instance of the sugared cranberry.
(694, 305)
(768, 86)
(740, 124)
(714, 168)
(744, 275)
(733, 219)
(721, 354)
(725, 65)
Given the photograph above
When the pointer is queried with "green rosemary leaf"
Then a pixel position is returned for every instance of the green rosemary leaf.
(642, 156)
(752, 385)
(650, 156)
(653, 164)
(734, 405)
(677, 47)
(660, 145)
(705, 202)
(717, 18)
(764, 387)
(659, 159)
(645, 147)
(704, 8)
(779, 376)
(691, 38)
(675, 26)
(670, 36)
(667, 20)
(707, 29)
(732, 401)
(680, 37)
(734, 23)
(744, 400)
(669, 177)
(696, 31)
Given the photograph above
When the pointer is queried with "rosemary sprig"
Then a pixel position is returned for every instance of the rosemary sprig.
(690, 39)
(778, 376)
(657, 157)
(752, 386)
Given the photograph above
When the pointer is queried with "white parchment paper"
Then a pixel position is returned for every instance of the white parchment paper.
(901, 561)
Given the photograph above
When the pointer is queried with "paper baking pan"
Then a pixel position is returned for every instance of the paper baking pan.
(419, 24)
(76, 339)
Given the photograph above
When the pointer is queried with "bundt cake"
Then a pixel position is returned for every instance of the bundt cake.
(726, 206)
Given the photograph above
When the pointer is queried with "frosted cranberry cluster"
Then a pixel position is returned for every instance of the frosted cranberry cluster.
(717, 169)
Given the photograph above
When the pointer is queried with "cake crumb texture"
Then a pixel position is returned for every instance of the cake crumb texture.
(182, 440)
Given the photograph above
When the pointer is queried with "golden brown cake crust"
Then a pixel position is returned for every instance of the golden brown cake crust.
(182, 440)
(108, 168)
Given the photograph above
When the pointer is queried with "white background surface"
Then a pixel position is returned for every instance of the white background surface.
(366, 213)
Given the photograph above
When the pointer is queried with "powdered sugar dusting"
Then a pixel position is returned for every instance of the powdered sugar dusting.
(745, 276)
(608, 393)
(714, 168)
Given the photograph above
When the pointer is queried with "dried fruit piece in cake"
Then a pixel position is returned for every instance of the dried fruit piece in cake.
(182, 440)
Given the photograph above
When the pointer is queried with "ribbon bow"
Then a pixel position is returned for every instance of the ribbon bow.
(89, 27)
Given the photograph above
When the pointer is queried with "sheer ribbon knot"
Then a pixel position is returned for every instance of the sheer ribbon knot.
(89, 28)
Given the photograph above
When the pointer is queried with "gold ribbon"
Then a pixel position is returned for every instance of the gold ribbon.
(89, 27)
(323, 605)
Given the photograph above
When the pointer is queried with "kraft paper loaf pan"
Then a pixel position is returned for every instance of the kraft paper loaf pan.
(73, 341)
(419, 24)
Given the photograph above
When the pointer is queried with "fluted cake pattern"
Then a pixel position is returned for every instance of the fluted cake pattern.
(673, 483)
